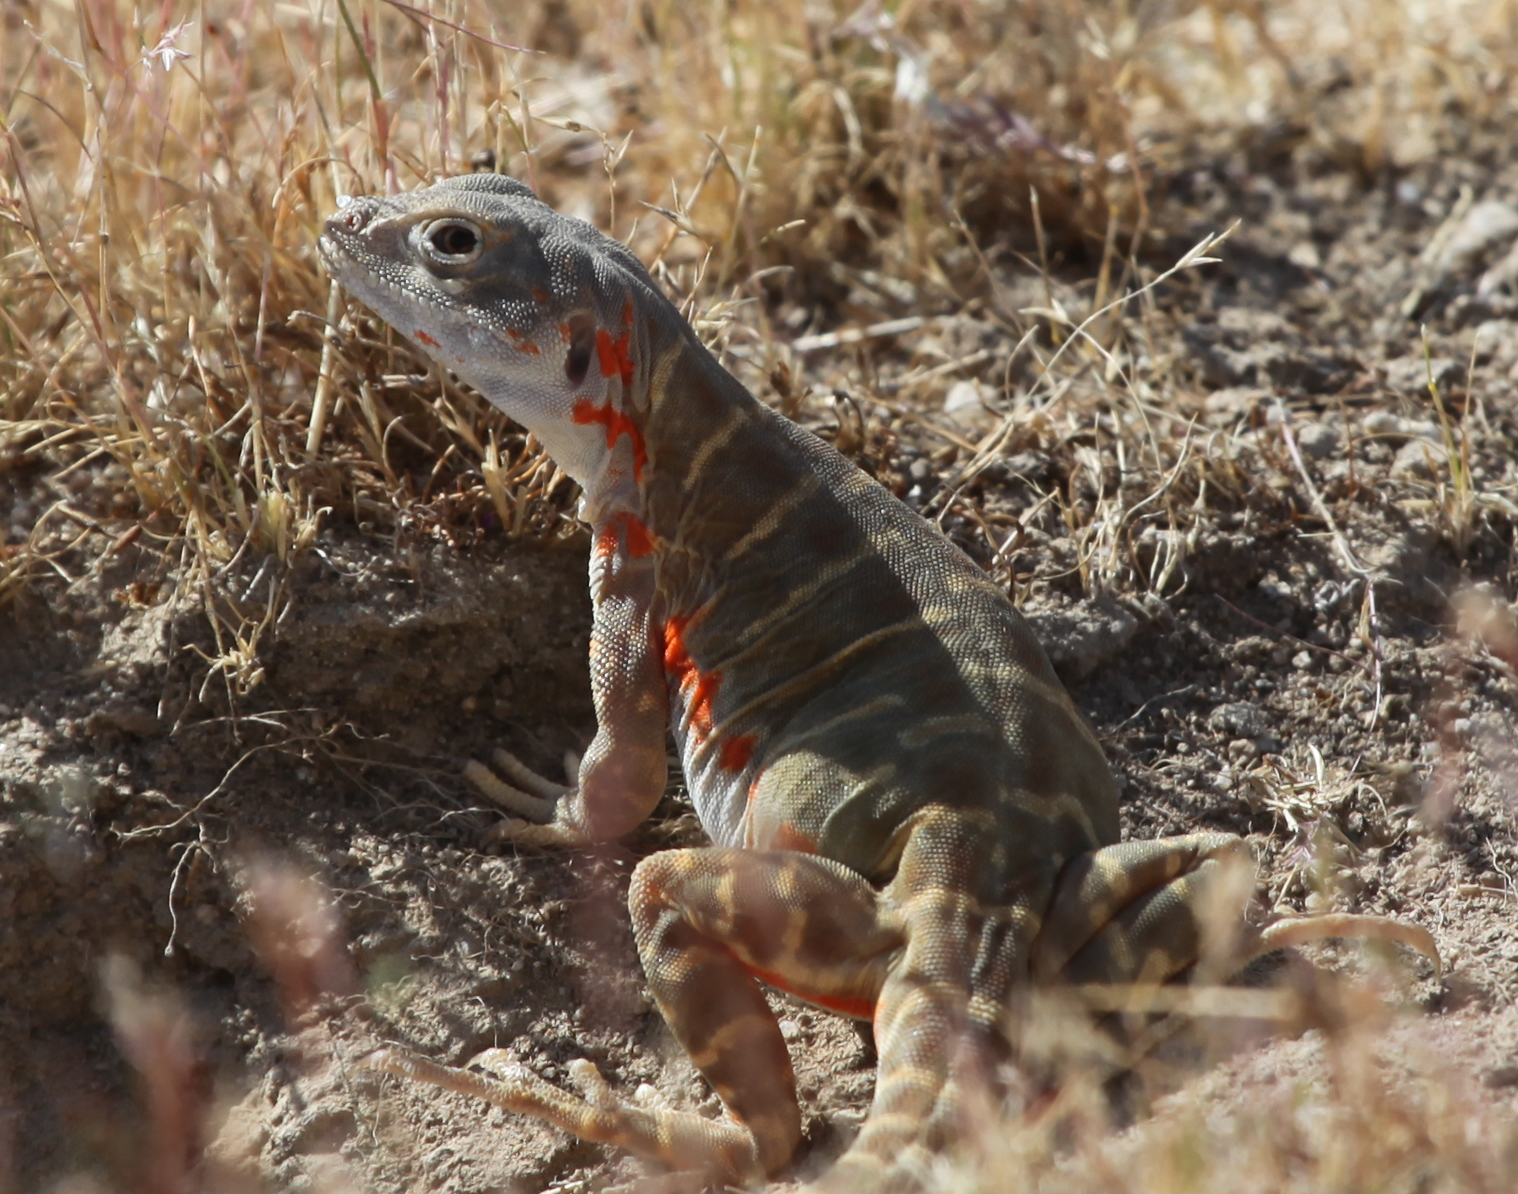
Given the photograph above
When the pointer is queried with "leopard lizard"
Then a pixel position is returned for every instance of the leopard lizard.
(910, 821)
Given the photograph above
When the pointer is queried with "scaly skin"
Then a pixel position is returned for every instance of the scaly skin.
(910, 818)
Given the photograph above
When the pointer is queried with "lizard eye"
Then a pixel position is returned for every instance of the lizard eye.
(582, 342)
(451, 241)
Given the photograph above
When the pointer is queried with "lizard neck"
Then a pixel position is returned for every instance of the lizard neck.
(704, 450)
(611, 491)
(596, 433)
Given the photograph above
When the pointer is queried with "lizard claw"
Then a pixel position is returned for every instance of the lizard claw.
(681, 1140)
(588, 1081)
(537, 802)
(493, 787)
(498, 1063)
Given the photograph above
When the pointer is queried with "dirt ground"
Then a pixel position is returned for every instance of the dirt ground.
(154, 809)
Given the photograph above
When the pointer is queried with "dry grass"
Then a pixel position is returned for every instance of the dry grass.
(165, 320)
(1343, 1112)
(167, 332)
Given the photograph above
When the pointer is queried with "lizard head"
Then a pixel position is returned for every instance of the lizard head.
(534, 309)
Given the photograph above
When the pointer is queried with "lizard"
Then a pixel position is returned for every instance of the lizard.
(910, 820)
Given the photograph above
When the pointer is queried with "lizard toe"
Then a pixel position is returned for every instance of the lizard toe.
(529, 780)
(526, 804)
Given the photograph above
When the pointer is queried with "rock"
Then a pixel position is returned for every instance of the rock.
(1384, 425)
(1305, 254)
(966, 403)
(1496, 342)
(1501, 276)
(1408, 375)
(1420, 458)
(1317, 440)
(1081, 638)
(1233, 403)
(1486, 228)
(1242, 719)
(1275, 590)
(1488, 223)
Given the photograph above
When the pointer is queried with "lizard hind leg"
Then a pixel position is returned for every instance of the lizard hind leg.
(1147, 911)
(940, 1022)
(712, 922)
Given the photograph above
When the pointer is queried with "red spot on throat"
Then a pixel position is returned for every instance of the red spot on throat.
(617, 425)
(788, 837)
(426, 339)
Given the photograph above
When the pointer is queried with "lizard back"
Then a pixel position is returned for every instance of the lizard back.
(838, 664)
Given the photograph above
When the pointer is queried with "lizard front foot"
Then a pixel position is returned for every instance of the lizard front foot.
(536, 799)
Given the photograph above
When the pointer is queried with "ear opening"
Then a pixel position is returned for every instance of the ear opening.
(582, 344)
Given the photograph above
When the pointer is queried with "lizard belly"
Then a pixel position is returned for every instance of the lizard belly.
(720, 794)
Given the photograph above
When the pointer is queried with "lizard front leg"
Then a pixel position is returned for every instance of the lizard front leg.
(623, 772)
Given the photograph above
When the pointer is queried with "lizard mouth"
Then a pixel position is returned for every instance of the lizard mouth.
(342, 227)
(336, 255)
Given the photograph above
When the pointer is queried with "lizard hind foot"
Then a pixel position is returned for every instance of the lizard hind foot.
(685, 1142)
(1299, 930)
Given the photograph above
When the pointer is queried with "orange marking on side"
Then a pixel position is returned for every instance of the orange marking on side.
(617, 424)
(700, 691)
(788, 837)
(675, 657)
(615, 357)
(426, 339)
(539, 296)
(845, 1005)
(736, 752)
